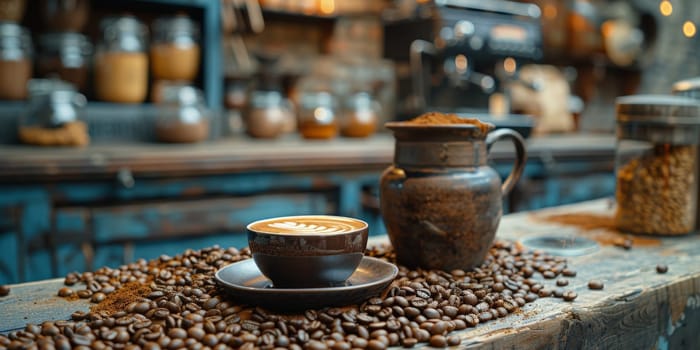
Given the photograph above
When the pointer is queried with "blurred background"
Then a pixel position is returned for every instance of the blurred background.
(130, 129)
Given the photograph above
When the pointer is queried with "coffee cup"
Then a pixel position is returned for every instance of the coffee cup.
(307, 251)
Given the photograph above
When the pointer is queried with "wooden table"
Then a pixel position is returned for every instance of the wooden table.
(638, 308)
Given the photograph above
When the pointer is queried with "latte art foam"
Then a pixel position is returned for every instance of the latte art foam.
(308, 225)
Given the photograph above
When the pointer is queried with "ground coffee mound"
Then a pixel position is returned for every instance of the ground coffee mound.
(436, 118)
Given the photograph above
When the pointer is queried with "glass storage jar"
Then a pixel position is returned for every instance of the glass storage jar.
(317, 115)
(182, 115)
(657, 175)
(360, 115)
(65, 15)
(15, 61)
(174, 48)
(269, 114)
(65, 56)
(52, 117)
(121, 62)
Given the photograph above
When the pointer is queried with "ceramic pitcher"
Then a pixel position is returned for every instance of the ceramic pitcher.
(440, 201)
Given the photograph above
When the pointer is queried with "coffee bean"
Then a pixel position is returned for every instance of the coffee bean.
(359, 343)
(569, 295)
(431, 313)
(98, 297)
(438, 341)
(485, 316)
(376, 345)
(530, 297)
(418, 303)
(65, 292)
(624, 243)
(409, 342)
(210, 340)
(423, 293)
(439, 327)
(661, 268)
(84, 293)
(549, 274)
(595, 284)
(470, 299)
(562, 282)
(544, 292)
(4, 290)
(568, 273)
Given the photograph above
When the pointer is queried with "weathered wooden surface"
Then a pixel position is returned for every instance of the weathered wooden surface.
(26, 163)
(638, 309)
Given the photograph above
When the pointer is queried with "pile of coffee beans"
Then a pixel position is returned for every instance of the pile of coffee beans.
(174, 302)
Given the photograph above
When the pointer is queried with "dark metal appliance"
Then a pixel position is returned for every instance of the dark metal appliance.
(477, 47)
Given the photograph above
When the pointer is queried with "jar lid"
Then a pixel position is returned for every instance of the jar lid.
(174, 28)
(15, 41)
(127, 30)
(314, 99)
(59, 40)
(688, 87)
(658, 109)
(8, 29)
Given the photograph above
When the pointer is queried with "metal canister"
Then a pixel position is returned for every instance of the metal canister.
(656, 164)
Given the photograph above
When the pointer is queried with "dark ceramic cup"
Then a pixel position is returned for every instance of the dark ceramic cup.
(308, 251)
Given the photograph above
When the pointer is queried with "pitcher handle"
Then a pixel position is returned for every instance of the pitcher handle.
(520, 152)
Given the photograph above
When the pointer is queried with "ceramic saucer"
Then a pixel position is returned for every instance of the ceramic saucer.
(246, 284)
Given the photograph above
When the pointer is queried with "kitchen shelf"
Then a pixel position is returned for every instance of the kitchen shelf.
(107, 122)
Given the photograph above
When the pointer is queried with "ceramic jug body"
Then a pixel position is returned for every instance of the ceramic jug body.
(440, 201)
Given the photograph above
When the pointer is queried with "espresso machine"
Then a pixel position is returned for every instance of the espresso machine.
(473, 52)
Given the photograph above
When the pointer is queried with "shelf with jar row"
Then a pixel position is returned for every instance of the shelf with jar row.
(111, 55)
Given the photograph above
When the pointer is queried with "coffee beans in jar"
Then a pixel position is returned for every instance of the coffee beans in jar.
(174, 51)
(317, 116)
(121, 63)
(174, 302)
(182, 115)
(656, 166)
(15, 61)
(653, 191)
(360, 116)
(65, 56)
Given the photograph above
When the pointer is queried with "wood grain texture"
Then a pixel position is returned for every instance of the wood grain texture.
(27, 163)
(637, 309)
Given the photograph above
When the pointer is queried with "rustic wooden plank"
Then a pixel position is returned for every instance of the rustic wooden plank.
(24, 163)
(638, 308)
(35, 302)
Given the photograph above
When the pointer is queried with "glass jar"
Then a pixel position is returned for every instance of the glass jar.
(65, 15)
(52, 117)
(65, 56)
(121, 62)
(174, 49)
(12, 10)
(15, 61)
(657, 175)
(269, 114)
(317, 115)
(182, 115)
(360, 116)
